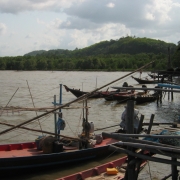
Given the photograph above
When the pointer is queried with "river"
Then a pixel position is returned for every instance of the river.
(37, 89)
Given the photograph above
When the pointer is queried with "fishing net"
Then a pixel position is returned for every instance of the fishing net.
(170, 141)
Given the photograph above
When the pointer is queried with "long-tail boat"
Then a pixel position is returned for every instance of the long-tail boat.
(78, 92)
(145, 97)
(121, 96)
(28, 156)
(155, 76)
(146, 81)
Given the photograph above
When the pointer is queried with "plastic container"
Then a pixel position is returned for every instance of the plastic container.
(111, 171)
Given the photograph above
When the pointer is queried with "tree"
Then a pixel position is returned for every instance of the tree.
(41, 64)
(2, 64)
(18, 65)
(30, 64)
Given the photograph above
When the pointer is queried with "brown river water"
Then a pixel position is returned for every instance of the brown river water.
(17, 87)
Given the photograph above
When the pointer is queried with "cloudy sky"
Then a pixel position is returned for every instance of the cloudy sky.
(28, 25)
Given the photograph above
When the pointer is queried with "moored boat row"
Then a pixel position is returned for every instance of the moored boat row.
(119, 95)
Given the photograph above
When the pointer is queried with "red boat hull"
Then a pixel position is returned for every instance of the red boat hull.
(25, 156)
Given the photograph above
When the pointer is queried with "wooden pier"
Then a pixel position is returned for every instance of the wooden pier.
(131, 141)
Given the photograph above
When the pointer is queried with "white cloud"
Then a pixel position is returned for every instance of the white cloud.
(67, 24)
(18, 6)
(86, 37)
(149, 16)
(159, 11)
(3, 28)
(110, 5)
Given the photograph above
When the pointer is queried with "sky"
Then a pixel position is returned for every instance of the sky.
(29, 25)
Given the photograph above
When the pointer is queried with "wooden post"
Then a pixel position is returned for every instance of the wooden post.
(172, 97)
(171, 91)
(140, 124)
(86, 111)
(174, 170)
(130, 174)
(130, 117)
(150, 123)
(83, 109)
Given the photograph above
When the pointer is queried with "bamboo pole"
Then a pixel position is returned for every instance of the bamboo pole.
(153, 89)
(9, 101)
(157, 124)
(37, 130)
(55, 118)
(143, 124)
(160, 160)
(76, 100)
(130, 139)
(145, 135)
(164, 153)
(42, 109)
(34, 105)
(145, 146)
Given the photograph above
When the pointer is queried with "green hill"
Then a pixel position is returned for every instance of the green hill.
(125, 45)
(34, 53)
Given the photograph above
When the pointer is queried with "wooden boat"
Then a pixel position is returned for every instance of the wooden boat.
(97, 94)
(146, 81)
(156, 76)
(138, 96)
(27, 156)
(121, 96)
(145, 97)
(151, 81)
(78, 92)
(113, 170)
(105, 94)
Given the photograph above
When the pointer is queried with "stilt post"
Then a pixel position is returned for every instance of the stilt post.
(130, 174)
(140, 124)
(174, 170)
(150, 123)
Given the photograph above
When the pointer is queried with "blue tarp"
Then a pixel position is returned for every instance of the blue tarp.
(168, 85)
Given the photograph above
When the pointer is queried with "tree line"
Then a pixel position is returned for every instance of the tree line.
(127, 53)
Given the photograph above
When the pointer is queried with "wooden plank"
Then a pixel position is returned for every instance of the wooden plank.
(160, 160)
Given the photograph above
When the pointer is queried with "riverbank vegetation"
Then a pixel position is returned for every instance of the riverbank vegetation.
(126, 53)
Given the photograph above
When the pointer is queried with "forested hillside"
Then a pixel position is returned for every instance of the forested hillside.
(126, 53)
